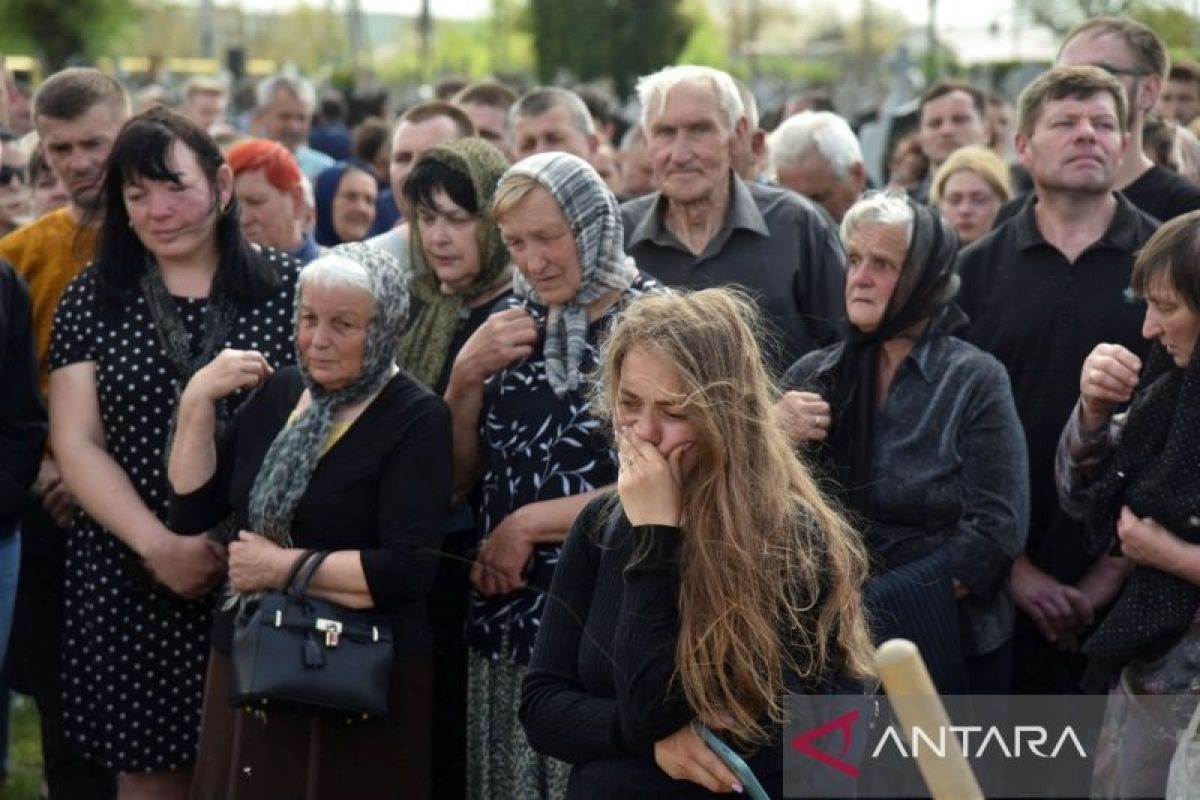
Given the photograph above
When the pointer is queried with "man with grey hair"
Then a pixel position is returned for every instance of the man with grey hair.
(551, 119)
(705, 226)
(816, 154)
(283, 113)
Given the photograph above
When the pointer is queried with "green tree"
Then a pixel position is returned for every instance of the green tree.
(65, 31)
(596, 39)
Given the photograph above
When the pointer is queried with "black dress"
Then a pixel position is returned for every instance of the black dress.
(383, 488)
(134, 653)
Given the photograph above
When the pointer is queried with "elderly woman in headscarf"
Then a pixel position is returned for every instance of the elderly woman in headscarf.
(918, 429)
(343, 453)
(518, 396)
(460, 272)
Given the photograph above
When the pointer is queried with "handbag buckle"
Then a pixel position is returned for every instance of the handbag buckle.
(332, 629)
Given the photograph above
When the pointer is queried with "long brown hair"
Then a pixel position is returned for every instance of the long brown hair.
(771, 574)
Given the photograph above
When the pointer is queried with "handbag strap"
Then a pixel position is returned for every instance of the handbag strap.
(300, 561)
(311, 565)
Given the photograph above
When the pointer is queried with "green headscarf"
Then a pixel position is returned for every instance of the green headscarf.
(424, 349)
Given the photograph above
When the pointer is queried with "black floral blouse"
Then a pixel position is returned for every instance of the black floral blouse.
(536, 446)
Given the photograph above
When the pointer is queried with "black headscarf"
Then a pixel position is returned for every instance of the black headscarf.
(1155, 470)
(927, 286)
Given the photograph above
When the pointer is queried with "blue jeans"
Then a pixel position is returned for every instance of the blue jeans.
(10, 566)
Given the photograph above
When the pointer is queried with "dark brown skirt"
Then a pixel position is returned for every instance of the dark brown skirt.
(246, 756)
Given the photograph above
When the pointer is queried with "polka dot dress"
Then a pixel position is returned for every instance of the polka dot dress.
(134, 654)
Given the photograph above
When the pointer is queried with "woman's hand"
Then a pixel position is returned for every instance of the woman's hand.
(685, 757)
(256, 563)
(650, 486)
(1146, 542)
(503, 338)
(230, 371)
(1108, 378)
(1058, 610)
(805, 416)
(499, 567)
(187, 565)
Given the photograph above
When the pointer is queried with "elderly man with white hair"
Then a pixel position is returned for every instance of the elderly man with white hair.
(705, 226)
(283, 113)
(816, 154)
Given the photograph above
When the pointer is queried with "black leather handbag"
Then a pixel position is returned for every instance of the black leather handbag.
(305, 653)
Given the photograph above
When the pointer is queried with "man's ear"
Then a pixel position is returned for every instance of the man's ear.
(858, 174)
(1021, 145)
(1149, 90)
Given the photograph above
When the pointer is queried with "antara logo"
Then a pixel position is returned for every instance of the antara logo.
(844, 724)
(1028, 739)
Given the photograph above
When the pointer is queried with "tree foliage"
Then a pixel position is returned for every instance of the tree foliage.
(1062, 15)
(63, 32)
(594, 39)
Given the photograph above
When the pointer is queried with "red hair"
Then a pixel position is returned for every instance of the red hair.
(276, 161)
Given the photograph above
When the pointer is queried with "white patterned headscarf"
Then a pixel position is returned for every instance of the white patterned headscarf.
(591, 211)
(292, 458)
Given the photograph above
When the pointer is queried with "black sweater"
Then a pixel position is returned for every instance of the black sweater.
(597, 696)
(383, 489)
(22, 415)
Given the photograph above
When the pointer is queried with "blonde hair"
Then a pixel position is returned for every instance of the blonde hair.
(980, 160)
(771, 574)
(510, 191)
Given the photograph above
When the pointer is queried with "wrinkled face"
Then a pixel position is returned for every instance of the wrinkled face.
(652, 405)
(332, 332)
(552, 131)
(76, 149)
(691, 145)
(177, 220)
(970, 204)
(874, 259)
(948, 123)
(269, 216)
(450, 241)
(1171, 321)
(1180, 101)
(491, 123)
(1076, 145)
(205, 108)
(286, 120)
(813, 177)
(542, 246)
(354, 205)
(410, 141)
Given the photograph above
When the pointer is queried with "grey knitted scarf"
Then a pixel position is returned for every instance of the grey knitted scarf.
(591, 211)
(292, 458)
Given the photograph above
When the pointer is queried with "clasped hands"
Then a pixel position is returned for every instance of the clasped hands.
(190, 566)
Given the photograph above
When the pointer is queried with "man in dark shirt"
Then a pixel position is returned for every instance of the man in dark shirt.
(1135, 56)
(1042, 290)
(706, 227)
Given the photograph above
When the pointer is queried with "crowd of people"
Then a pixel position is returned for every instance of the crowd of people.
(627, 433)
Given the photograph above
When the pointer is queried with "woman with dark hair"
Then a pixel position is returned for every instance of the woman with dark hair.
(460, 271)
(715, 580)
(460, 267)
(174, 283)
(346, 196)
(919, 432)
(1134, 480)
